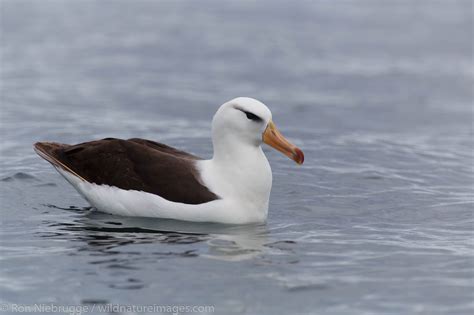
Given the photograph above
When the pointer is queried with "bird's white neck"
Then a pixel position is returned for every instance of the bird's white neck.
(229, 150)
(239, 171)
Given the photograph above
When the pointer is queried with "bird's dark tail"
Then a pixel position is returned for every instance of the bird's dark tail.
(50, 151)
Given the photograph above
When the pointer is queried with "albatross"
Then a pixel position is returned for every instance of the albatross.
(143, 178)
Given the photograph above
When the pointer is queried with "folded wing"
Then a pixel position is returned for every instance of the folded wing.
(134, 164)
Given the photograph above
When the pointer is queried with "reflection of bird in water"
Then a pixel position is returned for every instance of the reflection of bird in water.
(236, 247)
(142, 178)
(103, 234)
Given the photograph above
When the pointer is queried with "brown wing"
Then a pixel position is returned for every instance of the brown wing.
(134, 164)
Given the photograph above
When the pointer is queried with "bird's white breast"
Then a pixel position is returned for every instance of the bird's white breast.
(244, 183)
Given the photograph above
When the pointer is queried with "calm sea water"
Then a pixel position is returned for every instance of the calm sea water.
(379, 219)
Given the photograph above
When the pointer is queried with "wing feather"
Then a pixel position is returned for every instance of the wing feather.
(134, 164)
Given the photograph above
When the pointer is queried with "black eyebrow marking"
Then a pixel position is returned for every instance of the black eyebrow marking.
(250, 115)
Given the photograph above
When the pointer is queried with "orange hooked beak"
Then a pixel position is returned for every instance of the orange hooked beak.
(275, 139)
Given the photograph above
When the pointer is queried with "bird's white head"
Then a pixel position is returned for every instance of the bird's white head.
(245, 123)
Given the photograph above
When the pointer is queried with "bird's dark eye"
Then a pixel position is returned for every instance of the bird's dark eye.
(252, 116)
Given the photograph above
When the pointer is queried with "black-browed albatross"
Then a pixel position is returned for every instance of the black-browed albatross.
(139, 177)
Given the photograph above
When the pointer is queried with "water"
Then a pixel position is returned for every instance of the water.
(379, 219)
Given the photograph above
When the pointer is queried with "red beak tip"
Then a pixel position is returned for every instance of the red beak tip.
(299, 156)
